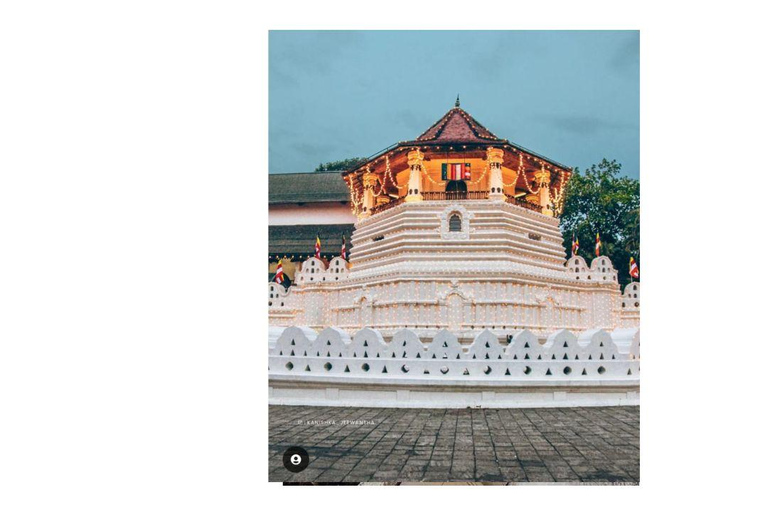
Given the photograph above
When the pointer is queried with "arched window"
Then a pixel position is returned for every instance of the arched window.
(454, 223)
(456, 189)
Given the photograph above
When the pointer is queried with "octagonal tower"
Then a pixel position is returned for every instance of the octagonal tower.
(457, 229)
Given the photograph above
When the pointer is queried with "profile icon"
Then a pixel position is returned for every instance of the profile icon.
(295, 459)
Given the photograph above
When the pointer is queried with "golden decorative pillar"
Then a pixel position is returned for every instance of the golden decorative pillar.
(416, 163)
(496, 181)
(542, 178)
(369, 181)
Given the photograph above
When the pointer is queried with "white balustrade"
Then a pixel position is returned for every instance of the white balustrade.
(302, 353)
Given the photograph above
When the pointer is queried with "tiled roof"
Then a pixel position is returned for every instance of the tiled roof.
(309, 187)
(284, 240)
(457, 126)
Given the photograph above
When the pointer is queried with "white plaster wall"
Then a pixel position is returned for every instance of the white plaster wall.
(332, 368)
(310, 213)
(507, 274)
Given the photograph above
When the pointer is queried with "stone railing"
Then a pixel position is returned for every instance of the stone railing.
(522, 202)
(594, 354)
(471, 195)
(331, 368)
(455, 196)
(386, 206)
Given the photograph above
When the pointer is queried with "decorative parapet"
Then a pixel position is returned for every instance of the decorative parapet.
(627, 341)
(603, 269)
(598, 345)
(367, 343)
(313, 270)
(630, 305)
(630, 299)
(302, 353)
(274, 334)
(277, 295)
(600, 271)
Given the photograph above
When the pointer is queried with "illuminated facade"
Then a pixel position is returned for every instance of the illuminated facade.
(458, 230)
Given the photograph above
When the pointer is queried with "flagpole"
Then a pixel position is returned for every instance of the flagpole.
(279, 263)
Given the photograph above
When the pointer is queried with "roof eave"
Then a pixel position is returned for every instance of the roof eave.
(418, 143)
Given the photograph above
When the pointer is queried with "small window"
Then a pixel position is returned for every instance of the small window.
(454, 224)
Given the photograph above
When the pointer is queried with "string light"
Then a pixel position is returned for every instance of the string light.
(388, 172)
(557, 198)
(381, 185)
(431, 180)
(514, 182)
(521, 170)
(354, 198)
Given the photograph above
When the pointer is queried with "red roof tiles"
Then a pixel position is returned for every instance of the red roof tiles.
(457, 126)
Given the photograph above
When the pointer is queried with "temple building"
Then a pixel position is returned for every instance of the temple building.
(457, 229)
(303, 206)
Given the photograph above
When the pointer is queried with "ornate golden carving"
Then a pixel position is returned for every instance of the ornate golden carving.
(415, 157)
(542, 178)
(495, 155)
(370, 180)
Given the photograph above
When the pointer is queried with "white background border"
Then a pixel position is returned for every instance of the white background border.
(133, 216)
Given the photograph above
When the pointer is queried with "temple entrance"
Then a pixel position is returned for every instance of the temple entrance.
(456, 189)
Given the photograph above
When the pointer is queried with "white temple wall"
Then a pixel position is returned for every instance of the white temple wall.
(505, 272)
(629, 314)
(310, 213)
(496, 232)
(460, 305)
(335, 368)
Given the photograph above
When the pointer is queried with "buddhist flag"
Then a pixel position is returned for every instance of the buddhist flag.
(317, 246)
(455, 172)
(633, 270)
(343, 247)
(598, 245)
(279, 273)
(574, 246)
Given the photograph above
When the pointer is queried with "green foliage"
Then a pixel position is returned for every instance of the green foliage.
(600, 201)
(339, 165)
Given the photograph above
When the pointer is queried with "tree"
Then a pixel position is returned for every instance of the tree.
(600, 201)
(339, 165)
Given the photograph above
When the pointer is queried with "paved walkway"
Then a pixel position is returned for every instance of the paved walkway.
(595, 444)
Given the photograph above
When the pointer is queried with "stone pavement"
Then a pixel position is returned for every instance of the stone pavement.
(352, 444)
